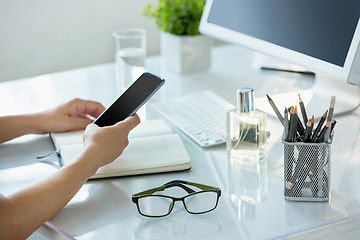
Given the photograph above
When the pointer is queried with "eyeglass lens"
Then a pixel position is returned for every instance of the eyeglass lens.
(157, 206)
(201, 202)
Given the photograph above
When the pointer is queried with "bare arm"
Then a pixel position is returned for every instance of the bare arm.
(24, 212)
(70, 116)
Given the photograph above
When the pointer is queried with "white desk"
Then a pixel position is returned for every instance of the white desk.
(103, 209)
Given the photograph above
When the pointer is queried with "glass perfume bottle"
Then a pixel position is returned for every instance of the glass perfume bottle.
(246, 133)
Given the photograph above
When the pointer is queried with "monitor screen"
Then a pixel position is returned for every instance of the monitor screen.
(304, 26)
(323, 35)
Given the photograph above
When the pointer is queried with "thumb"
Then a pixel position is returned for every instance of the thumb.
(130, 122)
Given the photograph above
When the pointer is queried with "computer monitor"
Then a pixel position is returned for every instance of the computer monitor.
(322, 36)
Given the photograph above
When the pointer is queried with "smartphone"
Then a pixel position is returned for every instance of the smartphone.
(131, 100)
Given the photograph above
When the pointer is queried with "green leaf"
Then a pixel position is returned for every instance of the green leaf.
(181, 17)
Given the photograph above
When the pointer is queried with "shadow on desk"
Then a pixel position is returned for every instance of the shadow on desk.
(20, 152)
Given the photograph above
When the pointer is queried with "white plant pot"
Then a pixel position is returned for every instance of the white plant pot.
(185, 54)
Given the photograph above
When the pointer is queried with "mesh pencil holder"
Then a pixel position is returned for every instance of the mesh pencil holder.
(307, 171)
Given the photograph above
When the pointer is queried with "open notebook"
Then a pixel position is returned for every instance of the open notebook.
(153, 148)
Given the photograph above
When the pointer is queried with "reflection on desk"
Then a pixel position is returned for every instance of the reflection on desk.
(247, 187)
(194, 226)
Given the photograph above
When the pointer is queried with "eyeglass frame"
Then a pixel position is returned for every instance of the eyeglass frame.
(176, 183)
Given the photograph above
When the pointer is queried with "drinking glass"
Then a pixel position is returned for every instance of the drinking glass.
(130, 55)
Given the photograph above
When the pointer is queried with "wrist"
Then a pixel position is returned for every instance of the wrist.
(91, 157)
(36, 123)
(84, 165)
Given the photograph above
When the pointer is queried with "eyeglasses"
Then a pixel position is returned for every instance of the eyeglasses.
(196, 202)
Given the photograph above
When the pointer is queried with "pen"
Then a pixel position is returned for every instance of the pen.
(331, 108)
(58, 230)
(288, 71)
(303, 111)
(276, 110)
(318, 127)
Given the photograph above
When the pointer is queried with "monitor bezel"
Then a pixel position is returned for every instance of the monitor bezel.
(280, 52)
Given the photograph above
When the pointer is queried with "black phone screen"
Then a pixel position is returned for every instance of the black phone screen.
(131, 100)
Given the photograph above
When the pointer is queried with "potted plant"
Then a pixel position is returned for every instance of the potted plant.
(183, 49)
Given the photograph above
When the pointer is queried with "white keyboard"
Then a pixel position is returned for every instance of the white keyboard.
(201, 116)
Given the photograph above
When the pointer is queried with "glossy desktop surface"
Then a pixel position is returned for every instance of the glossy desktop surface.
(252, 205)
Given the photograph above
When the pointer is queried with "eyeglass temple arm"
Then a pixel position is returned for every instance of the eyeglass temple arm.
(178, 183)
(175, 183)
(198, 185)
(162, 188)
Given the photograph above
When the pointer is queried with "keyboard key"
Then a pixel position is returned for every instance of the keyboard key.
(200, 116)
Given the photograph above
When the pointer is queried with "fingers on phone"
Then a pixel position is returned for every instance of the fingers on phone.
(131, 122)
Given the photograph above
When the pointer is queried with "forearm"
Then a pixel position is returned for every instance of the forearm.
(15, 126)
(70, 116)
(27, 210)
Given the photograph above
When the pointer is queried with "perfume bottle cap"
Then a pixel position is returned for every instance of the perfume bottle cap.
(245, 100)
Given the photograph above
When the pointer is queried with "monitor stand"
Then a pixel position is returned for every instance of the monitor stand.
(317, 98)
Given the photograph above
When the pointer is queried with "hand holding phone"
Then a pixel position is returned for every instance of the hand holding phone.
(131, 100)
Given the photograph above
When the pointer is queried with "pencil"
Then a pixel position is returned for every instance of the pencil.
(312, 120)
(276, 110)
(327, 132)
(299, 127)
(293, 126)
(308, 131)
(333, 123)
(318, 127)
(331, 108)
(303, 111)
(324, 131)
(286, 124)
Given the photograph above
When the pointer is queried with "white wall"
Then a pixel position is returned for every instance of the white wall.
(43, 36)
